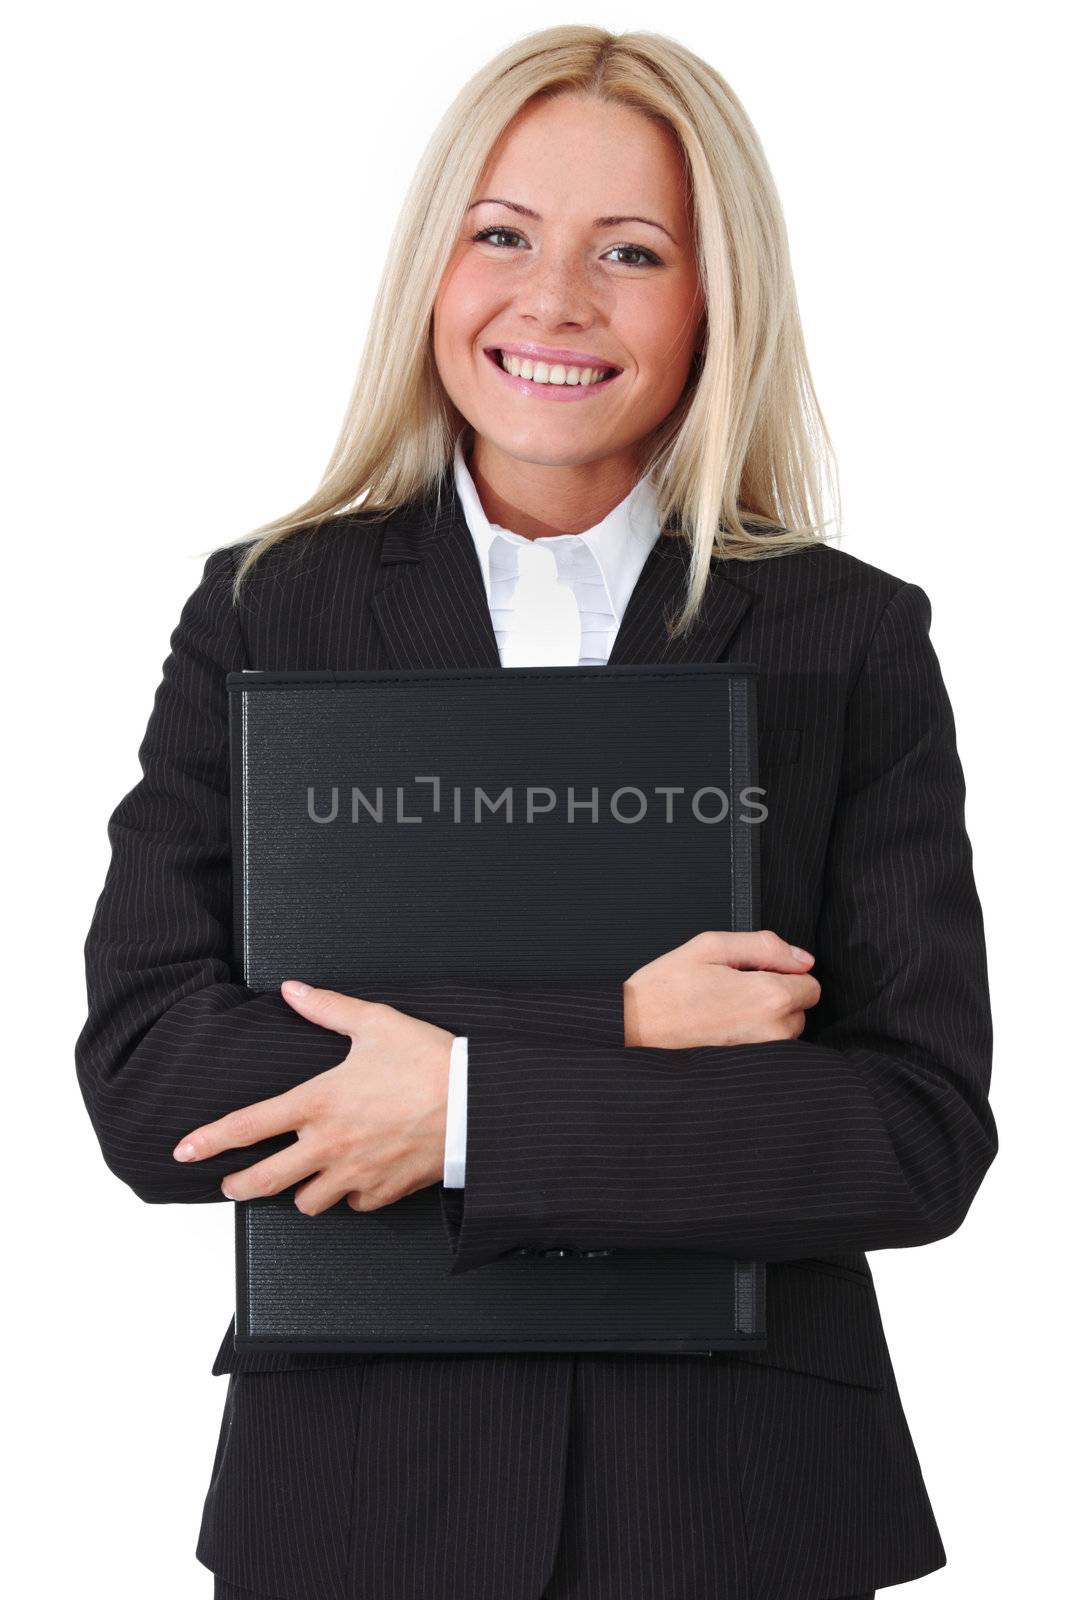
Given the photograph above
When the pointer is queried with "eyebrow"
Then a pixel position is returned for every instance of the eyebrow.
(599, 222)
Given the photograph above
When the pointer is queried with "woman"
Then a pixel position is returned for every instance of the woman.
(598, 207)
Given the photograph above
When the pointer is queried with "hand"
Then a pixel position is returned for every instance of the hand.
(371, 1129)
(720, 988)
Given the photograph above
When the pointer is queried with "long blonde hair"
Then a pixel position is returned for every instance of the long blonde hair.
(737, 465)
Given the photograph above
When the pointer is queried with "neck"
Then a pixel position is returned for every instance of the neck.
(534, 500)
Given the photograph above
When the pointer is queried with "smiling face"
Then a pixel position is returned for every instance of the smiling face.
(577, 260)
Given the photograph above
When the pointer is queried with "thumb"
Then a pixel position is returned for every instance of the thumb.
(325, 1006)
(762, 950)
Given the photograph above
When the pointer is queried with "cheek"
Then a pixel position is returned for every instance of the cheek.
(452, 337)
(661, 332)
(464, 305)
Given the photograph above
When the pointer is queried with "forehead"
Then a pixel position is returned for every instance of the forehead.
(572, 155)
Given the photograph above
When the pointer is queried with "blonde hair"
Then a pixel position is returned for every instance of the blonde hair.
(737, 465)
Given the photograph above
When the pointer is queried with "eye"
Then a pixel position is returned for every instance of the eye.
(650, 258)
(488, 233)
(638, 249)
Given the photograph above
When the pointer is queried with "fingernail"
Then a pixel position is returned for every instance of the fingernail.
(226, 1192)
(185, 1152)
(294, 986)
(799, 954)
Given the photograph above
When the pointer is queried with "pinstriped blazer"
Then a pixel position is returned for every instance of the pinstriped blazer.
(793, 1467)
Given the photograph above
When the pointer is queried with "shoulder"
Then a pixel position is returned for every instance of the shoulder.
(819, 569)
(820, 609)
(826, 589)
(307, 559)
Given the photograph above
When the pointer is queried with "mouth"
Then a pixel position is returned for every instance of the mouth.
(551, 380)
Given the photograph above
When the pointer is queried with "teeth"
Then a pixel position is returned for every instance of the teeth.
(541, 372)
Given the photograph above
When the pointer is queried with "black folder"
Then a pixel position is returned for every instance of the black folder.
(484, 825)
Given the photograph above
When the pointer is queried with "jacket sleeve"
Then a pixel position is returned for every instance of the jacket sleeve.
(172, 1039)
(871, 1131)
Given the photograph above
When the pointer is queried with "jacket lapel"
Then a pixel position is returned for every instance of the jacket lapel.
(432, 611)
(658, 593)
(430, 602)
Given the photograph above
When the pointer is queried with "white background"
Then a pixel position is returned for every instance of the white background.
(199, 198)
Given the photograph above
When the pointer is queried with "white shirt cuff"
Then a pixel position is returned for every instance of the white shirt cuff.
(456, 1117)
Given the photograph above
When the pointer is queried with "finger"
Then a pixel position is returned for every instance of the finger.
(280, 1114)
(796, 1011)
(321, 1192)
(341, 1012)
(271, 1175)
(762, 950)
(804, 986)
(811, 993)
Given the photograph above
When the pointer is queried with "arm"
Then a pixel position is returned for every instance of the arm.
(872, 1131)
(171, 1039)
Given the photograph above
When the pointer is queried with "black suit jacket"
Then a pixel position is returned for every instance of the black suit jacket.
(748, 1474)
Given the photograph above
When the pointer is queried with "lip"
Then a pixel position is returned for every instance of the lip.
(555, 358)
(548, 391)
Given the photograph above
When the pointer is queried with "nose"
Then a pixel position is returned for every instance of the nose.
(557, 291)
